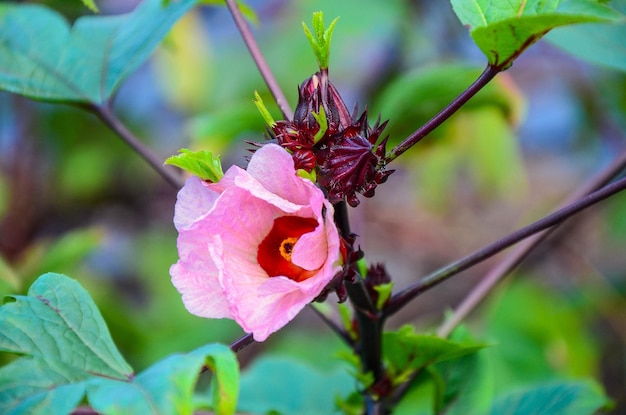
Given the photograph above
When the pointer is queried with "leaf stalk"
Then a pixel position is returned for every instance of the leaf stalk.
(108, 117)
(485, 77)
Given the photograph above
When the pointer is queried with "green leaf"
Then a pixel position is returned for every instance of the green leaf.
(321, 119)
(419, 398)
(557, 398)
(167, 386)
(601, 44)
(504, 29)
(91, 5)
(320, 38)
(288, 386)
(33, 386)
(68, 350)
(41, 57)
(346, 320)
(463, 385)
(64, 339)
(223, 362)
(549, 340)
(258, 101)
(406, 351)
(384, 292)
(199, 163)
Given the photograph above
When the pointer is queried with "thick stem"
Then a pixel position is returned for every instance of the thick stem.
(402, 298)
(370, 322)
(514, 258)
(485, 77)
(106, 114)
(259, 59)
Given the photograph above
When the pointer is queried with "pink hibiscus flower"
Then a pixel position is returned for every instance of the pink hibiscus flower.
(255, 247)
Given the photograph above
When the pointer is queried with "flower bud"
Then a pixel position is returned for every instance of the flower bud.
(347, 153)
(353, 162)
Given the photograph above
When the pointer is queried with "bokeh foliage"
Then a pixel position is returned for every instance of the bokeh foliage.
(76, 201)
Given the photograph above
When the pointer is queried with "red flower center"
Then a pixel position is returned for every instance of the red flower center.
(274, 254)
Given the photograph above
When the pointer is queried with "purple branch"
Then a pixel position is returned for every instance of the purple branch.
(514, 258)
(241, 343)
(485, 77)
(370, 322)
(338, 330)
(260, 61)
(400, 299)
(106, 114)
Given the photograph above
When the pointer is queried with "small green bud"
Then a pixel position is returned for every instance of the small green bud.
(320, 38)
(258, 101)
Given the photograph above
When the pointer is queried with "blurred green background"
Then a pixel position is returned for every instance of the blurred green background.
(75, 200)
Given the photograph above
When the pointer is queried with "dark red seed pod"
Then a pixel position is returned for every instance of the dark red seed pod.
(353, 163)
(304, 159)
(348, 154)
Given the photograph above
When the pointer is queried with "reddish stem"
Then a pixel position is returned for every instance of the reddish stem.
(485, 77)
(259, 59)
(400, 299)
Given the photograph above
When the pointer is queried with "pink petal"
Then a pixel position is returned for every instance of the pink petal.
(196, 279)
(273, 167)
(220, 228)
(271, 308)
(194, 200)
(311, 250)
(252, 185)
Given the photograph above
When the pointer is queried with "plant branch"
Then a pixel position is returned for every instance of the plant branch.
(106, 114)
(485, 77)
(369, 321)
(339, 331)
(259, 59)
(242, 342)
(521, 252)
(400, 299)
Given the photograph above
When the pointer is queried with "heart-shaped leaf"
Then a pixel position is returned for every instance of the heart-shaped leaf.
(64, 339)
(34, 386)
(601, 44)
(167, 387)
(503, 29)
(406, 351)
(67, 350)
(287, 386)
(556, 398)
(43, 58)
